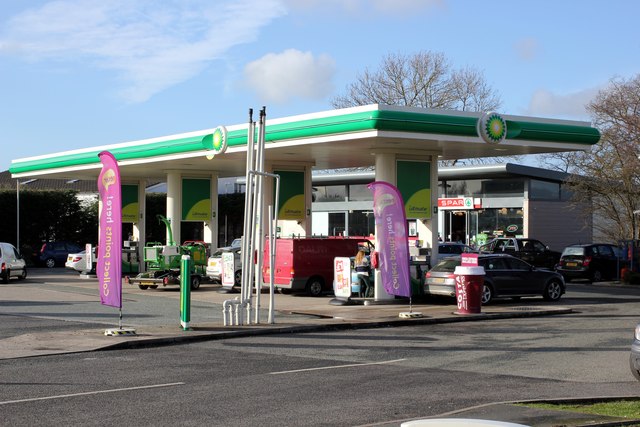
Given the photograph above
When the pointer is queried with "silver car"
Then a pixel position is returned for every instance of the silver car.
(634, 359)
(13, 265)
(214, 265)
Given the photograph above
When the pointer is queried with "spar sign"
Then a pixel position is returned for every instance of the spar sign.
(459, 203)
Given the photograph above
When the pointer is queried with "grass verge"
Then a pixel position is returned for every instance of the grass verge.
(624, 408)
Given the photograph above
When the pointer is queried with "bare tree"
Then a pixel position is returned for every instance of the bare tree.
(426, 80)
(609, 176)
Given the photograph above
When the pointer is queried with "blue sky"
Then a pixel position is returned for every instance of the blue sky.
(83, 73)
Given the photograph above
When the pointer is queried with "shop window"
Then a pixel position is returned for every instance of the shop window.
(330, 193)
(360, 193)
(543, 190)
(501, 222)
(361, 223)
(336, 223)
(502, 188)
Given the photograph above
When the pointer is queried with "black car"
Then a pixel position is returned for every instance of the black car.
(453, 248)
(505, 276)
(530, 250)
(594, 262)
(54, 254)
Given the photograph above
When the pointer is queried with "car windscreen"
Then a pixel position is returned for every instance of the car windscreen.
(573, 250)
(448, 265)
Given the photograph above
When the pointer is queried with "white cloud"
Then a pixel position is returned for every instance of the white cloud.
(279, 77)
(527, 49)
(363, 8)
(152, 45)
(569, 106)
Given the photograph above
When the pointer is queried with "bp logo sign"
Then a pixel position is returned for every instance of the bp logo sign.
(216, 143)
(492, 128)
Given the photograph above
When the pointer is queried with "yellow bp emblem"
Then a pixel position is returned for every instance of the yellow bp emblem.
(492, 128)
(216, 142)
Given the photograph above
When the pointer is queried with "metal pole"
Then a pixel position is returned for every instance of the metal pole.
(250, 222)
(272, 260)
(18, 215)
(246, 257)
(259, 206)
(185, 291)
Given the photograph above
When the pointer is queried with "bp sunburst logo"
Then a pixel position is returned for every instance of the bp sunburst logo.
(492, 128)
(220, 139)
(216, 142)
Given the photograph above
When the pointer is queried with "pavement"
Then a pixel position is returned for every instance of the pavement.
(64, 296)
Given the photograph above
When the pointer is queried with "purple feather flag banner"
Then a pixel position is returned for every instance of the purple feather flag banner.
(392, 236)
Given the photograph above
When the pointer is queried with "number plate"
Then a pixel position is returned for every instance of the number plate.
(438, 280)
(572, 264)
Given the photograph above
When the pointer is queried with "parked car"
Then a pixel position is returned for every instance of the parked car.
(54, 254)
(11, 263)
(530, 250)
(78, 262)
(214, 265)
(450, 248)
(634, 359)
(595, 262)
(453, 248)
(505, 276)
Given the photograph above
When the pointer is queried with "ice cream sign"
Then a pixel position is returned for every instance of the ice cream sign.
(458, 203)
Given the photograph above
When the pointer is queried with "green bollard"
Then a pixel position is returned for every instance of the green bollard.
(185, 292)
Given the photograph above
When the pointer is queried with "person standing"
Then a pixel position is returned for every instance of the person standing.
(362, 267)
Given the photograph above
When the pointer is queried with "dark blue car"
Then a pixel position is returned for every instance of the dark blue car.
(54, 254)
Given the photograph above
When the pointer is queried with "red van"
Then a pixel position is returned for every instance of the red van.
(306, 264)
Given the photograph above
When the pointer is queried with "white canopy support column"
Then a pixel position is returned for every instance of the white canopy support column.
(139, 227)
(174, 204)
(385, 171)
(211, 227)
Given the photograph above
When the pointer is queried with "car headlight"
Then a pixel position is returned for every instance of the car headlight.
(637, 334)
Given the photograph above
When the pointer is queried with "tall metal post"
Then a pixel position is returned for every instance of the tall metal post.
(185, 291)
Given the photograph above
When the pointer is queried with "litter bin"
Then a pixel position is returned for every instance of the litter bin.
(469, 284)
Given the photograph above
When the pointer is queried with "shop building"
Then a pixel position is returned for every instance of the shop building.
(475, 203)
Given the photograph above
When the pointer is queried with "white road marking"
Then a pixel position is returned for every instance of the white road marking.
(88, 393)
(336, 367)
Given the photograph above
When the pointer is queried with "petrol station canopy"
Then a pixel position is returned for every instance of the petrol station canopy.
(327, 140)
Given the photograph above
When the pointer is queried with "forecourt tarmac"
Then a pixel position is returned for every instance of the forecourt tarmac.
(59, 295)
(57, 311)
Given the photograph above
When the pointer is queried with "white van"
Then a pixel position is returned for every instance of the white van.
(11, 263)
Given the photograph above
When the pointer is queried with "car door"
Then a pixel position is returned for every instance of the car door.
(498, 274)
(519, 277)
(608, 261)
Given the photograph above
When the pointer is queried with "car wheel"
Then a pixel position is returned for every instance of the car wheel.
(634, 370)
(7, 275)
(153, 286)
(195, 282)
(553, 291)
(143, 287)
(596, 276)
(237, 278)
(487, 294)
(314, 287)
(50, 263)
(23, 275)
